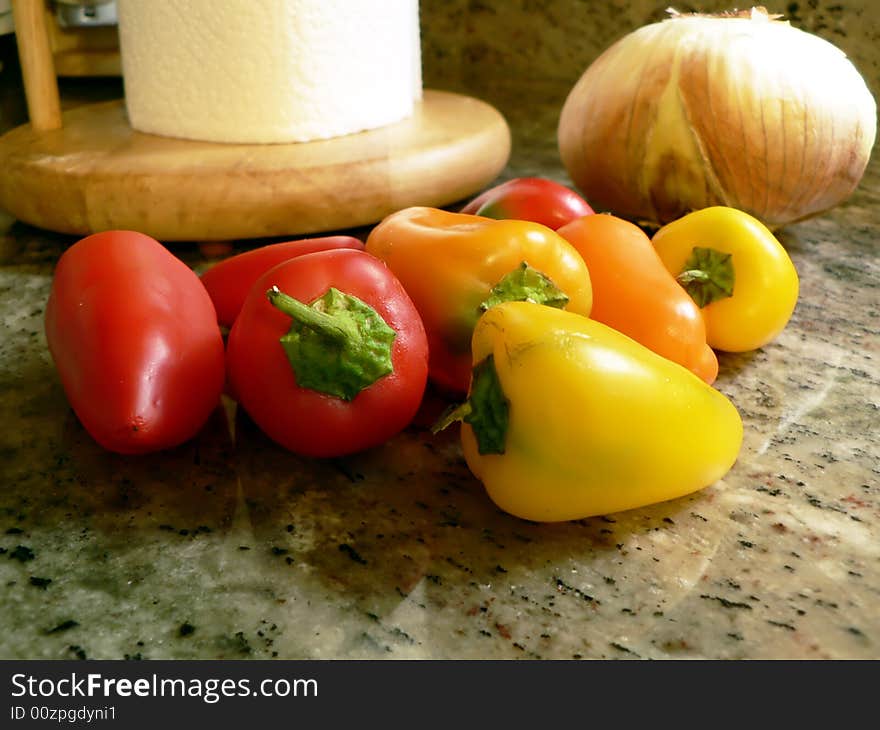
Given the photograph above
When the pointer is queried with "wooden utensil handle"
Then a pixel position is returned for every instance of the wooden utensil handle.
(37, 67)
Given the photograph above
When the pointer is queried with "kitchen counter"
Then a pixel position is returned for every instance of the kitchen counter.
(230, 547)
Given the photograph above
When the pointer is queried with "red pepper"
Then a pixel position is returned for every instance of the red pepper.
(329, 355)
(134, 337)
(229, 281)
(535, 199)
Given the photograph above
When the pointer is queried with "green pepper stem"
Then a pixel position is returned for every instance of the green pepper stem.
(686, 277)
(325, 324)
(455, 412)
(526, 284)
(708, 275)
(485, 410)
(336, 345)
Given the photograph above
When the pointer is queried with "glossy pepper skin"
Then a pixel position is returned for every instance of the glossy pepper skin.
(450, 263)
(737, 272)
(135, 339)
(320, 387)
(585, 421)
(229, 281)
(535, 199)
(634, 293)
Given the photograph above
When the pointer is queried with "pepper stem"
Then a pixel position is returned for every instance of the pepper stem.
(708, 275)
(486, 410)
(337, 345)
(526, 284)
(455, 412)
(326, 324)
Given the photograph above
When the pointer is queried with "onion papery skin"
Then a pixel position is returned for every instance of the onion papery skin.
(695, 111)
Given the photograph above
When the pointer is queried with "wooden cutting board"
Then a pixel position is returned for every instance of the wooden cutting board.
(95, 173)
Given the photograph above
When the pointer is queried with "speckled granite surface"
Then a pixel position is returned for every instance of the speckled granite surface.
(230, 547)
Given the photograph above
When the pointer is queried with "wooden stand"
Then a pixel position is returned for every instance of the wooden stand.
(87, 170)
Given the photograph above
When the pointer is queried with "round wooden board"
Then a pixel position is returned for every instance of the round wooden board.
(96, 173)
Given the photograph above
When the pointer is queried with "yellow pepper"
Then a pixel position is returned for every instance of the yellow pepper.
(736, 271)
(567, 418)
(455, 266)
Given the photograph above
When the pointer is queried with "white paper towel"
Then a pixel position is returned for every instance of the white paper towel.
(261, 71)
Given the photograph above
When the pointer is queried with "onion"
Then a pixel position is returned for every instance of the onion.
(740, 109)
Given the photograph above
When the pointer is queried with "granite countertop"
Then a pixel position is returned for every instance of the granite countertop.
(230, 547)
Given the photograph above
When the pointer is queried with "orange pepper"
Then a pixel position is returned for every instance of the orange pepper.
(634, 293)
(455, 266)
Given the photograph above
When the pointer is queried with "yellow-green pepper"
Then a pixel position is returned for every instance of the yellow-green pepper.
(567, 418)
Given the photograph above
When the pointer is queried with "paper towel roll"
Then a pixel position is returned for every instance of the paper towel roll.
(262, 71)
